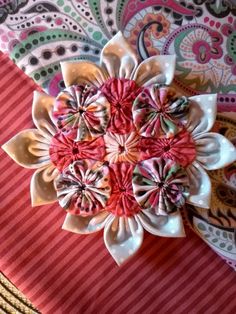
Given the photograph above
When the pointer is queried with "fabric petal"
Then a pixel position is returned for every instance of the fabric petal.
(123, 237)
(29, 149)
(118, 58)
(200, 186)
(156, 70)
(42, 188)
(214, 151)
(42, 114)
(85, 225)
(202, 113)
(163, 226)
(82, 72)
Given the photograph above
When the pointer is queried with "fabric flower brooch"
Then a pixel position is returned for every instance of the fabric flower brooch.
(120, 150)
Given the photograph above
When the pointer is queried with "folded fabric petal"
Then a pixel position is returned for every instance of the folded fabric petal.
(180, 148)
(202, 113)
(42, 114)
(214, 151)
(120, 148)
(160, 185)
(84, 187)
(82, 72)
(123, 237)
(42, 188)
(156, 70)
(122, 201)
(82, 113)
(157, 110)
(163, 226)
(85, 225)
(200, 186)
(118, 58)
(120, 93)
(64, 151)
(29, 149)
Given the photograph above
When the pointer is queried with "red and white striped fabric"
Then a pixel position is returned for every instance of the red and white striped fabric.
(61, 272)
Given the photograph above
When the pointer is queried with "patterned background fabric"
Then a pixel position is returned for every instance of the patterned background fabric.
(37, 35)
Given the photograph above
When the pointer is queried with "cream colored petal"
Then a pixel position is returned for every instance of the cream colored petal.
(118, 58)
(85, 225)
(29, 149)
(200, 186)
(123, 237)
(156, 70)
(202, 113)
(42, 113)
(42, 188)
(214, 151)
(83, 72)
(163, 226)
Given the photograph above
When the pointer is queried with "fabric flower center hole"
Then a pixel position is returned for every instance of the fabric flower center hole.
(121, 149)
(160, 184)
(75, 150)
(166, 148)
(81, 111)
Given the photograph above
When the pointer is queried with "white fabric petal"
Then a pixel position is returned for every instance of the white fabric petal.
(214, 151)
(42, 188)
(200, 186)
(42, 114)
(163, 226)
(123, 237)
(85, 225)
(156, 70)
(29, 149)
(82, 72)
(202, 113)
(118, 58)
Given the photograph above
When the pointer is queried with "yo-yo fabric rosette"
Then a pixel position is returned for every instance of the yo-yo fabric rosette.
(120, 149)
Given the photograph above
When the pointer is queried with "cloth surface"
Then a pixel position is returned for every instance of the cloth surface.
(62, 272)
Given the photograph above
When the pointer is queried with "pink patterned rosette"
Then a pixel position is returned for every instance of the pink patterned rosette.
(120, 150)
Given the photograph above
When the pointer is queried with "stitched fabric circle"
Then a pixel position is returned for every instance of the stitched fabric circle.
(82, 112)
(120, 93)
(84, 187)
(64, 151)
(156, 111)
(160, 184)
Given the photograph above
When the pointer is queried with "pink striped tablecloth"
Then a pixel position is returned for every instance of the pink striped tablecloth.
(61, 272)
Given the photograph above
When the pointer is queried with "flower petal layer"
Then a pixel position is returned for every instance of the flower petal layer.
(123, 237)
(160, 185)
(122, 201)
(214, 151)
(85, 225)
(84, 187)
(82, 113)
(29, 148)
(120, 148)
(118, 58)
(120, 93)
(155, 70)
(202, 113)
(64, 151)
(42, 109)
(163, 226)
(42, 188)
(200, 186)
(79, 73)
